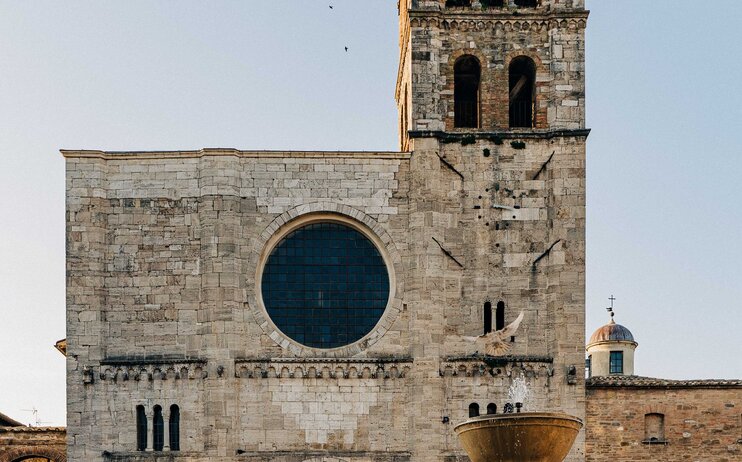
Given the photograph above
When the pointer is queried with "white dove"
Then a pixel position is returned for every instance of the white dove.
(498, 342)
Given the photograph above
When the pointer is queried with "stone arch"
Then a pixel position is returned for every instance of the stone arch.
(485, 89)
(467, 76)
(24, 453)
(655, 408)
(353, 217)
(541, 78)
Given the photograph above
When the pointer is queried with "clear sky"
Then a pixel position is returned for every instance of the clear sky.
(664, 157)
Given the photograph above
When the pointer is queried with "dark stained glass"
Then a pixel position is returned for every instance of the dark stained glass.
(325, 285)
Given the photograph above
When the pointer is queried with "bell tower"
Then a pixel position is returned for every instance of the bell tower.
(490, 65)
(491, 98)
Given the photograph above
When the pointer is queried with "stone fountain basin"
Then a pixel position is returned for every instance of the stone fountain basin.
(523, 437)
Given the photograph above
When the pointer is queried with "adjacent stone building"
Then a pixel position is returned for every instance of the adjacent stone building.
(19, 442)
(227, 305)
(631, 418)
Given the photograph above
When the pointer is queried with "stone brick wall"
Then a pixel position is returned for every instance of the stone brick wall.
(700, 424)
(162, 253)
(32, 444)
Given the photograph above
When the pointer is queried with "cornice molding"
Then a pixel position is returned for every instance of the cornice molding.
(362, 368)
(115, 370)
(491, 14)
(453, 137)
(221, 152)
(481, 365)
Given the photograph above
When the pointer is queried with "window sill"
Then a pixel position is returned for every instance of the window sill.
(652, 442)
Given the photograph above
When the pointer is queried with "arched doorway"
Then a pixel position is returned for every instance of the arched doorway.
(34, 454)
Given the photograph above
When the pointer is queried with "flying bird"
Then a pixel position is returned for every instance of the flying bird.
(346, 49)
(330, 6)
(498, 343)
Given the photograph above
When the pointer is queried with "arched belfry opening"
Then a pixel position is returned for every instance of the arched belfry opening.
(522, 76)
(467, 76)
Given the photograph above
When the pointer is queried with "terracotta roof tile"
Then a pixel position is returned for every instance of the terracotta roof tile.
(634, 381)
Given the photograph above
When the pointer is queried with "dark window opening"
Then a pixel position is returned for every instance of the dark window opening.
(492, 408)
(458, 3)
(522, 92)
(174, 428)
(467, 72)
(526, 3)
(500, 316)
(616, 362)
(141, 429)
(654, 428)
(158, 430)
(487, 318)
(474, 410)
(589, 366)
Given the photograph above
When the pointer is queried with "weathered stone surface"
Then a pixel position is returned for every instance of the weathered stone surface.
(164, 249)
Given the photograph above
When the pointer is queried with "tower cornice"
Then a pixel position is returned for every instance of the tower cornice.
(502, 16)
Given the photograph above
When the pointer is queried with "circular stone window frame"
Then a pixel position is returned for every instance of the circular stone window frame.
(307, 214)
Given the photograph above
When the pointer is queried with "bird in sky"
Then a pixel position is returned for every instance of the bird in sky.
(331, 7)
(497, 343)
(346, 49)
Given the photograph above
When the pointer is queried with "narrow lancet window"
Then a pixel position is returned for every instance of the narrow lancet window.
(500, 316)
(174, 428)
(158, 430)
(487, 318)
(522, 92)
(141, 429)
(474, 410)
(467, 73)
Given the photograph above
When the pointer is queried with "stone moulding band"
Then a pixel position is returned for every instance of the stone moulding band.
(453, 137)
(480, 365)
(386, 368)
(216, 152)
(489, 19)
(323, 456)
(161, 369)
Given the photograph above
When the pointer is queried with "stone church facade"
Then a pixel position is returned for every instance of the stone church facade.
(200, 321)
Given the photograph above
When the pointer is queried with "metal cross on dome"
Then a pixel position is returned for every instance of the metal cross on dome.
(610, 308)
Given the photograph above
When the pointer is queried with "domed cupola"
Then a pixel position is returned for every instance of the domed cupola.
(611, 332)
(611, 349)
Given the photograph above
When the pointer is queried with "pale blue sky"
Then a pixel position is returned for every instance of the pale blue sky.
(664, 158)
